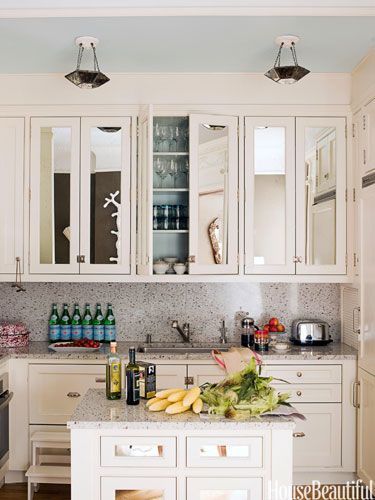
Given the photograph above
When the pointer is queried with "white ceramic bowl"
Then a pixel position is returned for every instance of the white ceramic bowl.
(160, 267)
(179, 268)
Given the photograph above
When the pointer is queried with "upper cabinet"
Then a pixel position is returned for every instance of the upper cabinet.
(187, 193)
(295, 196)
(80, 195)
(12, 193)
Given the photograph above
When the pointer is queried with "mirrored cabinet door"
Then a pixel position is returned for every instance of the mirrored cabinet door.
(54, 205)
(213, 196)
(105, 195)
(269, 195)
(320, 202)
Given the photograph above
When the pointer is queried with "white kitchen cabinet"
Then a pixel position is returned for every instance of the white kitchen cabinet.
(55, 390)
(367, 138)
(187, 192)
(168, 375)
(270, 195)
(12, 193)
(80, 196)
(321, 196)
(365, 429)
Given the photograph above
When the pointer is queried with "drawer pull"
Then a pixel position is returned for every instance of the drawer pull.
(299, 434)
(100, 380)
(73, 395)
(299, 374)
(299, 393)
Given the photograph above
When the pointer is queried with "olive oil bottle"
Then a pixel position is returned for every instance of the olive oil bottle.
(113, 374)
(132, 379)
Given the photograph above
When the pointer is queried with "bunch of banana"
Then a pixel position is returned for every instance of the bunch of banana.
(175, 401)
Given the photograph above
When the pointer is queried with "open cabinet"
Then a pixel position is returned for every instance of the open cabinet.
(187, 194)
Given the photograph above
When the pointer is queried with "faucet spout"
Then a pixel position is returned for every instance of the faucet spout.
(184, 331)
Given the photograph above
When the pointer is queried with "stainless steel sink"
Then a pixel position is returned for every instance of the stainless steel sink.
(181, 349)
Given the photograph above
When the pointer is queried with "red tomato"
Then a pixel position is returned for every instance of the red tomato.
(273, 329)
(273, 322)
(266, 328)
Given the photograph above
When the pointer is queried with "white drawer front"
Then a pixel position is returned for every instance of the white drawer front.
(305, 374)
(311, 393)
(225, 452)
(226, 488)
(55, 390)
(138, 451)
(317, 440)
(138, 488)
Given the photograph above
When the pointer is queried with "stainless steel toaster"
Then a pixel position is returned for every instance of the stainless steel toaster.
(310, 332)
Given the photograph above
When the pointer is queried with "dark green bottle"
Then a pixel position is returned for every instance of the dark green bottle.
(87, 324)
(113, 374)
(76, 324)
(99, 324)
(65, 324)
(132, 379)
(110, 325)
(54, 325)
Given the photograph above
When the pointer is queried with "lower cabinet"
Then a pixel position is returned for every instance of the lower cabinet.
(366, 416)
(228, 488)
(138, 488)
(170, 376)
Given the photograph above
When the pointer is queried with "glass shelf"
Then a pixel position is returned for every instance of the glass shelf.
(171, 231)
(170, 190)
(170, 154)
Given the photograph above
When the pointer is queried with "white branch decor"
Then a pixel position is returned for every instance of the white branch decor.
(112, 201)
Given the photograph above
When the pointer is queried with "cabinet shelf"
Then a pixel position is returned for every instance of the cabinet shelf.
(170, 231)
(170, 190)
(170, 154)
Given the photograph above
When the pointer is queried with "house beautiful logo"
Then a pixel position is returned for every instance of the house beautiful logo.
(353, 490)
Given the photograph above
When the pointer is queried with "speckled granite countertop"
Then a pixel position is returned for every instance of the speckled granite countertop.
(39, 350)
(96, 412)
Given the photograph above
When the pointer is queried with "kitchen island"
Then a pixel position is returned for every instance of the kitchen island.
(121, 452)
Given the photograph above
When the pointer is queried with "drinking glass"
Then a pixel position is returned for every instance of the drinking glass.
(161, 171)
(173, 170)
(184, 169)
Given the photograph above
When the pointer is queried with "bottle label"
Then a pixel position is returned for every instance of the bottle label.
(87, 317)
(76, 317)
(110, 317)
(66, 332)
(115, 382)
(133, 386)
(99, 317)
(53, 317)
(76, 332)
(87, 332)
(99, 332)
(110, 333)
(65, 318)
(54, 333)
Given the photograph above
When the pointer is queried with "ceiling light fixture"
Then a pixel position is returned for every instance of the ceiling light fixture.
(286, 74)
(85, 78)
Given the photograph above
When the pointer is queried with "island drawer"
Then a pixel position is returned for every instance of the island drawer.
(311, 393)
(305, 374)
(225, 451)
(138, 451)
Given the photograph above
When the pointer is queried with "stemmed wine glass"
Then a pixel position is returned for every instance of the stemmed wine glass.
(161, 171)
(173, 170)
(184, 170)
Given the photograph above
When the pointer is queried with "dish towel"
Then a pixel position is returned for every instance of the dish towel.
(236, 359)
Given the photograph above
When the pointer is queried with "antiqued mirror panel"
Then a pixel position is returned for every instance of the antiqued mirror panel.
(269, 196)
(320, 195)
(105, 194)
(54, 195)
(140, 494)
(213, 194)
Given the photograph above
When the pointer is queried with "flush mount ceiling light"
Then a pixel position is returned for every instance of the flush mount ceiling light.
(286, 74)
(85, 78)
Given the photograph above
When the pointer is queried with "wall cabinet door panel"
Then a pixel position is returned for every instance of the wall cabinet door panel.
(11, 199)
(54, 206)
(366, 415)
(270, 194)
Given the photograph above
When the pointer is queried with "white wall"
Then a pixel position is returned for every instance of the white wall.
(176, 88)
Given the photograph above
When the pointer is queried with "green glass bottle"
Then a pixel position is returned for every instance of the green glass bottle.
(65, 324)
(113, 374)
(76, 324)
(54, 325)
(110, 325)
(132, 379)
(99, 324)
(87, 324)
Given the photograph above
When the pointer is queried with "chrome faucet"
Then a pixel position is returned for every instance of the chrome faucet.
(184, 331)
(223, 333)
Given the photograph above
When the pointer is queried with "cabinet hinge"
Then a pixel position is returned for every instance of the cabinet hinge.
(346, 259)
(80, 259)
(354, 194)
(364, 122)
(238, 130)
(354, 259)
(353, 130)
(346, 131)
(317, 155)
(189, 380)
(346, 195)
(364, 157)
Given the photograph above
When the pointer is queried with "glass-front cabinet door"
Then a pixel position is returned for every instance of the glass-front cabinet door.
(269, 195)
(54, 205)
(320, 196)
(213, 196)
(105, 195)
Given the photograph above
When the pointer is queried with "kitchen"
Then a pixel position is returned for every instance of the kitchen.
(190, 190)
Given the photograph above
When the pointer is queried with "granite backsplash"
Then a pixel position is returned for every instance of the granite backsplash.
(142, 308)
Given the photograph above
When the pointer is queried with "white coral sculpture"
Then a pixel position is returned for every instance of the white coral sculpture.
(112, 201)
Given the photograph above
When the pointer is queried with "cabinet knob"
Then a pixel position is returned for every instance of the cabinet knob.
(299, 434)
(299, 374)
(100, 380)
(73, 395)
(191, 259)
(299, 393)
